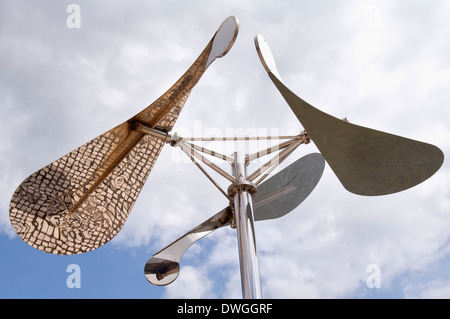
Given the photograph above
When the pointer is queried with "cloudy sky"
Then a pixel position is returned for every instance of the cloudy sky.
(382, 64)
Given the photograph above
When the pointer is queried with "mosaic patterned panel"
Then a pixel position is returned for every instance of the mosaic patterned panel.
(82, 200)
(39, 210)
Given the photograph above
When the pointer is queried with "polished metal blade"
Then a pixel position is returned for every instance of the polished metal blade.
(287, 189)
(164, 267)
(366, 161)
(276, 197)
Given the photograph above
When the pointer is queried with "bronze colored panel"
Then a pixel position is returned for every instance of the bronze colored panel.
(40, 208)
(82, 200)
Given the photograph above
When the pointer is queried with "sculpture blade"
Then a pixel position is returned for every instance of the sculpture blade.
(164, 267)
(276, 197)
(366, 161)
(287, 189)
(82, 200)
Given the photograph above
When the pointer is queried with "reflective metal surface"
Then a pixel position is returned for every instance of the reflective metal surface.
(81, 201)
(266, 56)
(275, 197)
(160, 271)
(224, 39)
(284, 191)
(243, 214)
(366, 161)
(163, 268)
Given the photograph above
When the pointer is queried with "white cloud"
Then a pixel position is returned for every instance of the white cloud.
(191, 283)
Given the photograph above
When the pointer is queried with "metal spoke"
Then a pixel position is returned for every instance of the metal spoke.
(204, 172)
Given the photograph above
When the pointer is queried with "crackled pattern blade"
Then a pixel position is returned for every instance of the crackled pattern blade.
(82, 200)
(40, 207)
(366, 161)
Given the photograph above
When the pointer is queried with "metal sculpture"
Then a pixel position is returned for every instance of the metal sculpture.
(82, 200)
(366, 161)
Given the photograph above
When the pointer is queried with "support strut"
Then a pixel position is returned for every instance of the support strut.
(242, 190)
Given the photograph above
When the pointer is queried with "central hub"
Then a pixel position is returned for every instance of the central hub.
(242, 186)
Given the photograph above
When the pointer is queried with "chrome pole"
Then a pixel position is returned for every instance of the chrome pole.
(242, 191)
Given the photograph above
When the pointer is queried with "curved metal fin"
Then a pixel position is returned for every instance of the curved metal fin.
(163, 267)
(224, 39)
(366, 161)
(276, 197)
(81, 201)
(287, 189)
(266, 56)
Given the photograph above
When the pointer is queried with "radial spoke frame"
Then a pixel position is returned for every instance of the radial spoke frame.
(241, 190)
(287, 145)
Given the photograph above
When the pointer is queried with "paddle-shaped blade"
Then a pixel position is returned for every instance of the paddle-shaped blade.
(366, 161)
(81, 201)
(163, 268)
(284, 191)
(275, 197)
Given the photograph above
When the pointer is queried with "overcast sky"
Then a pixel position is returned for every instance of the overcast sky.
(381, 64)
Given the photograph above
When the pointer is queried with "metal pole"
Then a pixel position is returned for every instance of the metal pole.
(242, 191)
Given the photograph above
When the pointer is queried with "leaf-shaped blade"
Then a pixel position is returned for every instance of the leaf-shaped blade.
(287, 189)
(366, 161)
(82, 200)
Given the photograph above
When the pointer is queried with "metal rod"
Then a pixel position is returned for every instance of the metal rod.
(204, 172)
(283, 156)
(210, 152)
(140, 127)
(192, 152)
(267, 151)
(243, 214)
(248, 138)
(274, 160)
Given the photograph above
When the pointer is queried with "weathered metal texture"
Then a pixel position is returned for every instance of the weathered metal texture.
(366, 161)
(82, 200)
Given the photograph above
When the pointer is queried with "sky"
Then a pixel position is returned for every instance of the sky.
(66, 79)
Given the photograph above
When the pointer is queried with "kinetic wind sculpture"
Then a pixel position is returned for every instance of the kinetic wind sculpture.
(82, 200)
